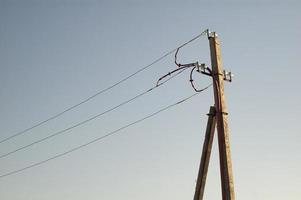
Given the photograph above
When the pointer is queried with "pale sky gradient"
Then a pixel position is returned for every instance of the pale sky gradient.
(55, 53)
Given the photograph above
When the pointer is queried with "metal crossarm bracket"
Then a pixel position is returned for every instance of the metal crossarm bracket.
(202, 68)
(227, 76)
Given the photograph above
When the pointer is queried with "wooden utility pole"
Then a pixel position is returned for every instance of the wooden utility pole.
(219, 113)
(207, 146)
(221, 119)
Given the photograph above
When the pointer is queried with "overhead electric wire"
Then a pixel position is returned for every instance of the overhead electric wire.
(181, 69)
(96, 139)
(192, 84)
(103, 90)
(89, 119)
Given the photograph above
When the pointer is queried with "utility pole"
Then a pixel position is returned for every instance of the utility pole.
(217, 118)
(221, 119)
(218, 113)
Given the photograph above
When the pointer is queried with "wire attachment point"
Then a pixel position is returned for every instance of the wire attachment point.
(227, 76)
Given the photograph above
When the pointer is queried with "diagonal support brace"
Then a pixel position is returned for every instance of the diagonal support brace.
(207, 146)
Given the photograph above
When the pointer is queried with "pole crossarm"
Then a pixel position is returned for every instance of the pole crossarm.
(203, 69)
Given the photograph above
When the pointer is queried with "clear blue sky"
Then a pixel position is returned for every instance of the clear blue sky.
(55, 53)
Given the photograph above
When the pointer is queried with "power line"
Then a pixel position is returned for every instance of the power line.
(89, 119)
(96, 139)
(101, 91)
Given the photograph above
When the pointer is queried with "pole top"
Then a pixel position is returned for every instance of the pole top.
(211, 34)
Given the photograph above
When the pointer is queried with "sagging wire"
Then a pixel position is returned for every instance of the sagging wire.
(176, 57)
(95, 140)
(191, 80)
(198, 70)
(64, 131)
(182, 67)
(87, 99)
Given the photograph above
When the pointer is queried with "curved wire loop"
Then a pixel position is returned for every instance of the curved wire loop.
(183, 67)
(191, 79)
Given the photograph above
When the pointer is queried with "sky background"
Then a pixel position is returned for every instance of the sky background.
(55, 53)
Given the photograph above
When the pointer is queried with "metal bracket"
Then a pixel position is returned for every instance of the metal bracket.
(202, 68)
(227, 76)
